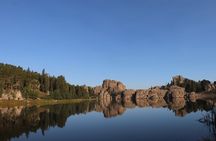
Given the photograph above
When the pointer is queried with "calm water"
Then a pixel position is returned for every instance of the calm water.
(92, 121)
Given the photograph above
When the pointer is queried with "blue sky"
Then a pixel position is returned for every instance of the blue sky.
(139, 42)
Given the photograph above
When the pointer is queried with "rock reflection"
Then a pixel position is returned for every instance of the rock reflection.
(23, 120)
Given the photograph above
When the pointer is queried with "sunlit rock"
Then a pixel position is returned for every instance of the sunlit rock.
(12, 95)
(177, 92)
(113, 86)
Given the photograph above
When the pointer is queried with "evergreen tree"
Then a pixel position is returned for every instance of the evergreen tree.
(12, 77)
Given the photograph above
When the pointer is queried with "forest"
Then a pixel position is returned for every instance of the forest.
(35, 85)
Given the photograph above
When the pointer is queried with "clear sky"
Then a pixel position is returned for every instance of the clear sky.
(139, 42)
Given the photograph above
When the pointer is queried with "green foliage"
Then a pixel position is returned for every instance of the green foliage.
(33, 84)
(44, 81)
(193, 86)
(1, 88)
(29, 93)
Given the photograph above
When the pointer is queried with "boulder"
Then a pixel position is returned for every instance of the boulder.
(153, 97)
(141, 94)
(127, 94)
(113, 87)
(157, 91)
(177, 92)
(142, 102)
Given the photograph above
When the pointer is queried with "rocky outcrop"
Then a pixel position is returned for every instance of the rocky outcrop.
(110, 86)
(141, 94)
(11, 95)
(153, 93)
(97, 90)
(128, 95)
(118, 91)
(113, 87)
(157, 92)
(110, 89)
(177, 92)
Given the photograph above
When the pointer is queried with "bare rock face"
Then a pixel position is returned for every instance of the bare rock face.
(157, 92)
(177, 92)
(129, 92)
(153, 97)
(113, 87)
(12, 95)
(97, 90)
(141, 94)
(127, 96)
(142, 102)
(110, 89)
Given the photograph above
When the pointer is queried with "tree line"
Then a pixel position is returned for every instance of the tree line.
(39, 85)
(194, 86)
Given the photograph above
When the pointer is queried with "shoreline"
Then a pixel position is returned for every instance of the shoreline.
(41, 102)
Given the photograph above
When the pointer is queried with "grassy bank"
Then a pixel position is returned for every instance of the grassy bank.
(41, 102)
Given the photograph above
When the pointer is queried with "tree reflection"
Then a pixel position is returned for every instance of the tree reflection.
(23, 120)
(210, 121)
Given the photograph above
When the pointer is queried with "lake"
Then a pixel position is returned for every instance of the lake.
(94, 121)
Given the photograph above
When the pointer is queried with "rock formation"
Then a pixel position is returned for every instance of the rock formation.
(177, 92)
(11, 95)
(110, 86)
(128, 94)
(113, 87)
(118, 91)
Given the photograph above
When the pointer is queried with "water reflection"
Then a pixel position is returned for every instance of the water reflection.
(210, 121)
(18, 120)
